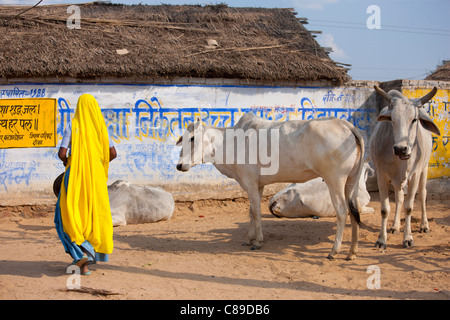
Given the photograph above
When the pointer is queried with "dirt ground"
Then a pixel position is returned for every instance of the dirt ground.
(198, 254)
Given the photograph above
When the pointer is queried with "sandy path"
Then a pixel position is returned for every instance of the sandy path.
(198, 255)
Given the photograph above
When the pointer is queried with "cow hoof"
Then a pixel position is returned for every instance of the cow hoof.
(351, 256)
(256, 245)
(424, 230)
(380, 245)
(394, 231)
(330, 257)
(408, 243)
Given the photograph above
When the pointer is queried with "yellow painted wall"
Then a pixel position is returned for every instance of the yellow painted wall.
(439, 110)
(27, 123)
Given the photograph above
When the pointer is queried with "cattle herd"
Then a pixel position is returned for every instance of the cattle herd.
(327, 148)
(316, 156)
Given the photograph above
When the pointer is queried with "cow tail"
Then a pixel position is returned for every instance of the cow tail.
(352, 191)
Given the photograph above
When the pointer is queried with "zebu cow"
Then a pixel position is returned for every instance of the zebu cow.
(133, 204)
(312, 199)
(400, 148)
(300, 150)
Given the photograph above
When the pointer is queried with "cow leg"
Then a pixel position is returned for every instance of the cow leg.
(255, 234)
(355, 237)
(383, 188)
(399, 200)
(423, 201)
(409, 203)
(341, 207)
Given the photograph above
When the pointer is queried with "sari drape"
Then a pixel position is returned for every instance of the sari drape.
(83, 203)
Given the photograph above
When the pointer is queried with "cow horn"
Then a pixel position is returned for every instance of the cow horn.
(383, 93)
(428, 96)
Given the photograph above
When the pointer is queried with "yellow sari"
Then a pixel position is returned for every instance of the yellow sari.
(84, 203)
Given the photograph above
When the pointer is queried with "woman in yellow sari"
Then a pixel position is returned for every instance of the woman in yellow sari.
(83, 215)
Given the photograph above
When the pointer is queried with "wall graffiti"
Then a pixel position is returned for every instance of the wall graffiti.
(145, 121)
(15, 174)
(165, 124)
(22, 93)
(439, 110)
(26, 123)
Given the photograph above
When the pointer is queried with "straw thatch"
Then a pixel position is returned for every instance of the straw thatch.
(442, 72)
(165, 41)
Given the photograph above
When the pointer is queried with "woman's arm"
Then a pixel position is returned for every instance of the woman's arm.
(112, 153)
(62, 154)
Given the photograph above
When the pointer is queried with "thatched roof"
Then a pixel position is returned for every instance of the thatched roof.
(442, 72)
(162, 41)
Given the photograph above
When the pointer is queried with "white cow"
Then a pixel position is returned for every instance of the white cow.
(299, 151)
(133, 204)
(400, 148)
(301, 200)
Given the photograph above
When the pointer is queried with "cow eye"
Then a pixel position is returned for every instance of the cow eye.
(192, 138)
(414, 120)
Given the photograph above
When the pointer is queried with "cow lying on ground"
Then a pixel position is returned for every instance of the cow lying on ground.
(400, 149)
(132, 204)
(299, 151)
(312, 199)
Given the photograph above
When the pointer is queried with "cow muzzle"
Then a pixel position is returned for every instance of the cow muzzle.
(182, 168)
(404, 153)
(274, 209)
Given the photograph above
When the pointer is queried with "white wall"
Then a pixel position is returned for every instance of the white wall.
(146, 120)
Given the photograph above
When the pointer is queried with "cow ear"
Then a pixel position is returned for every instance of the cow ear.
(385, 114)
(428, 123)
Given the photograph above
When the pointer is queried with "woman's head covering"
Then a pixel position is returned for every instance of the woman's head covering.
(85, 210)
(89, 133)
